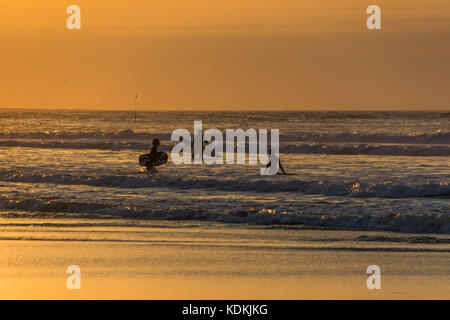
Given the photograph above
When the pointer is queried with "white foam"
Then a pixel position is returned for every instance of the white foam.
(382, 189)
(408, 223)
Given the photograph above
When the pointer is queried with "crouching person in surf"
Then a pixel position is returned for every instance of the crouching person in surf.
(273, 158)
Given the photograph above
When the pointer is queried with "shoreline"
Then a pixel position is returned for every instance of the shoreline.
(192, 260)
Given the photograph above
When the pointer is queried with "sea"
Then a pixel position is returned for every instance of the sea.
(376, 171)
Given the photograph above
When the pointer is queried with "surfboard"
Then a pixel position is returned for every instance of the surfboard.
(161, 158)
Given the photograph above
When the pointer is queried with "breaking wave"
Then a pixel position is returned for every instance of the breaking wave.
(383, 189)
(313, 148)
(408, 223)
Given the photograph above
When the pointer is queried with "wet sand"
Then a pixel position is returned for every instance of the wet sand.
(180, 260)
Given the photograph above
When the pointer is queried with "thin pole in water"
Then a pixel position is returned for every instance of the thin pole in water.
(135, 109)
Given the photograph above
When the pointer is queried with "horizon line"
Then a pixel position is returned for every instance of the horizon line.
(229, 109)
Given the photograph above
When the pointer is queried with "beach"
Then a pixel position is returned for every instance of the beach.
(363, 189)
(184, 260)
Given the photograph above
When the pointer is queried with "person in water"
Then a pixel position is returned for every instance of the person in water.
(204, 145)
(153, 154)
(279, 162)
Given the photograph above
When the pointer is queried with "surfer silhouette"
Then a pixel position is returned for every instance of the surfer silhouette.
(154, 158)
(153, 154)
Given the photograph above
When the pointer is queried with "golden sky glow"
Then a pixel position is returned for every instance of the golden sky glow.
(234, 54)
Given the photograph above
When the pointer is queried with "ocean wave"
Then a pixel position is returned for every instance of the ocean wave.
(439, 137)
(355, 137)
(368, 149)
(399, 222)
(95, 145)
(313, 148)
(383, 189)
(97, 135)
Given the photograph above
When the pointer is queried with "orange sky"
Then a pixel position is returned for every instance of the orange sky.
(234, 54)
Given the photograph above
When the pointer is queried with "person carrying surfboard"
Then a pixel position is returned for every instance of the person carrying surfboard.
(153, 154)
(153, 159)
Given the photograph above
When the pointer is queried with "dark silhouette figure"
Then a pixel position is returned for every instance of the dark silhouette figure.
(279, 162)
(153, 154)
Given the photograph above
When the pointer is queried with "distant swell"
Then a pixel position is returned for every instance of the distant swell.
(314, 148)
(383, 189)
(100, 135)
(98, 145)
(305, 137)
(435, 138)
(390, 150)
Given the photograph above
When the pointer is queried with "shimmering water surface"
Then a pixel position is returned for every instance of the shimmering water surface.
(357, 170)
